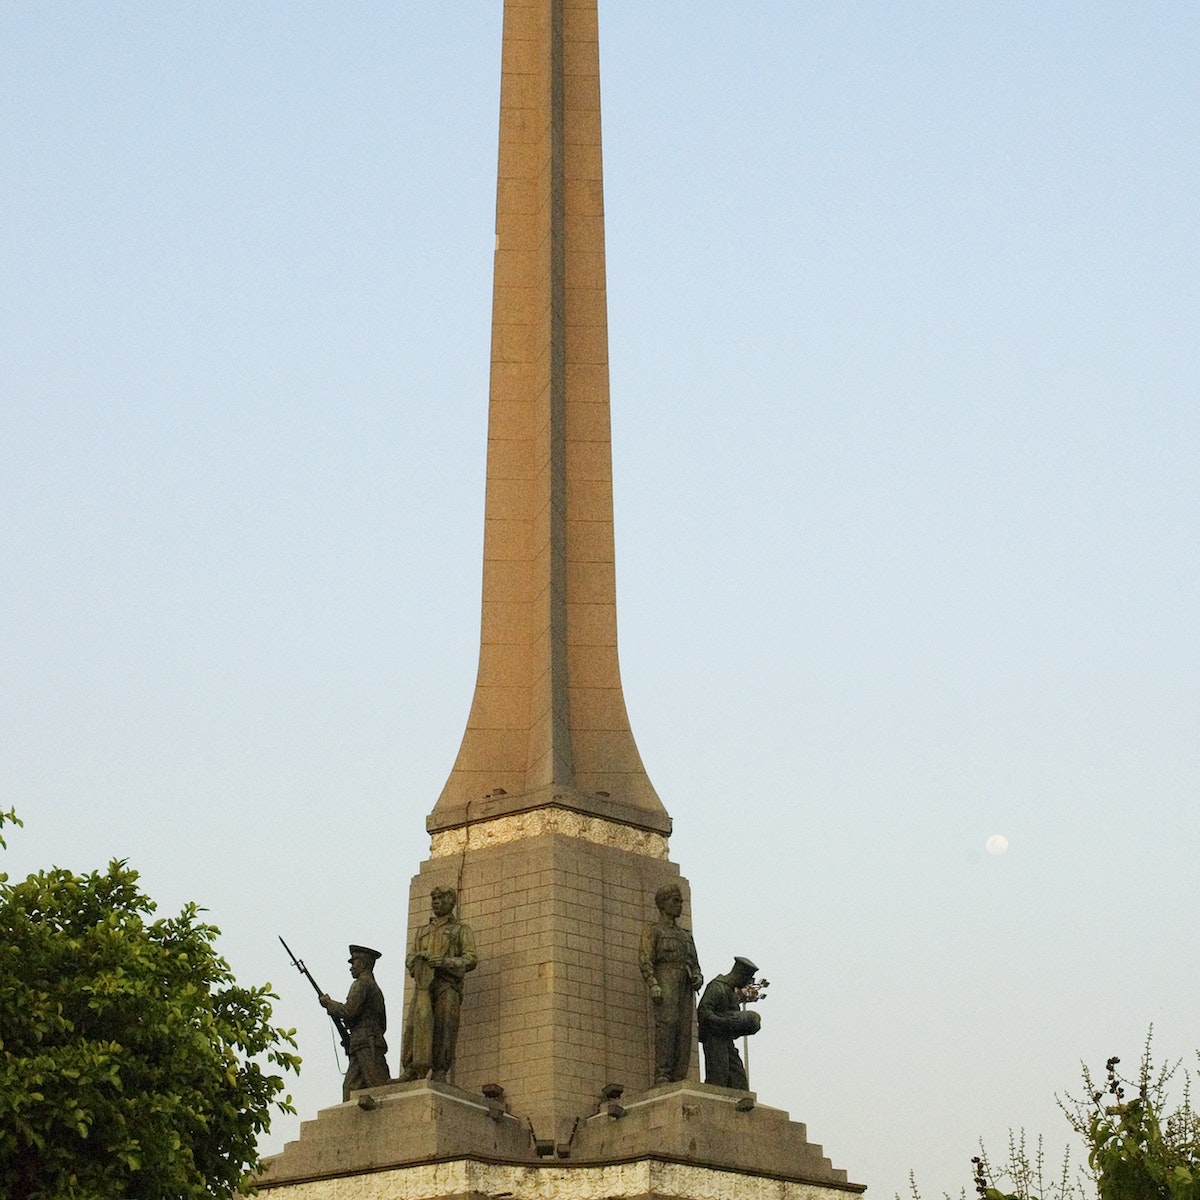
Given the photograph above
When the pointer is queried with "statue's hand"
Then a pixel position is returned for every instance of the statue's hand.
(434, 960)
(655, 993)
(325, 1001)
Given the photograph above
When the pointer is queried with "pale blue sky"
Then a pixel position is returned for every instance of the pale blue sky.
(903, 317)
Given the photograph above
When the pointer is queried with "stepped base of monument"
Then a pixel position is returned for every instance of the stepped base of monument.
(696, 1123)
(399, 1124)
(433, 1141)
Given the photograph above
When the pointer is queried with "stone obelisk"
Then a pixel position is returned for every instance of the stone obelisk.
(548, 826)
(548, 721)
(548, 816)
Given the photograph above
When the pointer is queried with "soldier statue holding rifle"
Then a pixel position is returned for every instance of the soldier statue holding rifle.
(365, 1015)
(361, 1022)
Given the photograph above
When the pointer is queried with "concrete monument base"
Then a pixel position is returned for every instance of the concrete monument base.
(693, 1123)
(396, 1125)
(466, 1179)
(432, 1141)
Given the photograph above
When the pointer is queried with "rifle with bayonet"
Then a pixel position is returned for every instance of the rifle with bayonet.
(340, 1022)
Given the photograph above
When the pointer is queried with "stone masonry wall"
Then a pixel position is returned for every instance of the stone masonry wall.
(557, 1007)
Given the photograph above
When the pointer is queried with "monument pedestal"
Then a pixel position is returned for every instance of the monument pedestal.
(432, 1141)
(691, 1123)
(396, 1125)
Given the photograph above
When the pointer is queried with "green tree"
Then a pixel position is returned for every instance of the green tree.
(1144, 1147)
(131, 1062)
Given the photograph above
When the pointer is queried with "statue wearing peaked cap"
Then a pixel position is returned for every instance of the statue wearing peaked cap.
(721, 1020)
(366, 1015)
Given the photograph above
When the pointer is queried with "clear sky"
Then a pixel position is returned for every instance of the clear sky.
(904, 309)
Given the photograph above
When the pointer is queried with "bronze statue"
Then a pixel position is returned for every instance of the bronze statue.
(365, 1017)
(443, 952)
(722, 1019)
(672, 973)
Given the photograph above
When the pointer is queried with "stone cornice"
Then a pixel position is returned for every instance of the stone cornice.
(617, 1181)
(552, 819)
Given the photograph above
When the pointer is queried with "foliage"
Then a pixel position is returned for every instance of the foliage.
(1026, 1175)
(7, 818)
(127, 1051)
(1137, 1149)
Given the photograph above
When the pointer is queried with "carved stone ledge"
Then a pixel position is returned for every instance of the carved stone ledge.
(404, 1123)
(500, 831)
(467, 1178)
(722, 1128)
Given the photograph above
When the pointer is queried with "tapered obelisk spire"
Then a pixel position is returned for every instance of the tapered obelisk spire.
(548, 723)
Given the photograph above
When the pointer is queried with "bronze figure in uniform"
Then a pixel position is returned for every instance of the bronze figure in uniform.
(365, 1015)
(672, 973)
(721, 1020)
(443, 952)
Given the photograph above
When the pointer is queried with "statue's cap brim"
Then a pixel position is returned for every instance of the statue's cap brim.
(745, 964)
(355, 951)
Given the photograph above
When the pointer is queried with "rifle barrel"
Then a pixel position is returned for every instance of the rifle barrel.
(339, 1022)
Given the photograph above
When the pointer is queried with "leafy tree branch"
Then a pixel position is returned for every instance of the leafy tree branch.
(1139, 1144)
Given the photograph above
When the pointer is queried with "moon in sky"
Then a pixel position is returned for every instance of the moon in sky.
(997, 844)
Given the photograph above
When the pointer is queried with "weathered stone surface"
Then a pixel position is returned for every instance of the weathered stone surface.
(647, 1179)
(557, 1007)
(695, 1123)
(554, 818)
(397, 1124)
(677, 1141)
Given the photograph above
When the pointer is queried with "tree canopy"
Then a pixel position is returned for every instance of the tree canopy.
(132, 1065)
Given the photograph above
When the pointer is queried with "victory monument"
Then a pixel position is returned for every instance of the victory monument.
(534, 1075)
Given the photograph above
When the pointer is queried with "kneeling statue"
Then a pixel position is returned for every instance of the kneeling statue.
(722, 1019)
